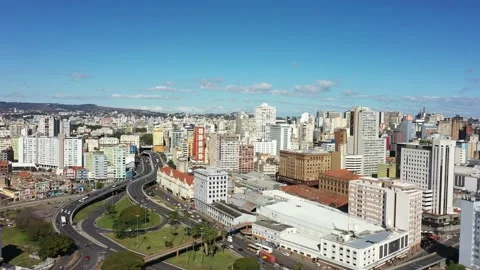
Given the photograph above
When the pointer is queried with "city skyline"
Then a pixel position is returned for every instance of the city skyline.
(218, 57)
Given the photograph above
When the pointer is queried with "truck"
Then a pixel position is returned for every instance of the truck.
(64, 220)
(267, 256)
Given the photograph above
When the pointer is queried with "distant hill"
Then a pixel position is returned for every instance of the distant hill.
(56, 107)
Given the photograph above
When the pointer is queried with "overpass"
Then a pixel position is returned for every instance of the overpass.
(173, 250)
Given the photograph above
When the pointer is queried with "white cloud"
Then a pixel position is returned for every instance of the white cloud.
(320, 86)
(77, 76)
(71, 96)
(167, 88)
(138, 96)
(255, 88)
(210, 83)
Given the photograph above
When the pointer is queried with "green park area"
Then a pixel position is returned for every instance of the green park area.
(82, 214)
(113, 213)
(197, 260)
(17, 247)
(153, 241)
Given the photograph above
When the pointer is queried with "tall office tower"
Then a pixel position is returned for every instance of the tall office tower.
(305, 134)
(176, 138)
(430, 167)
(320, 119)
(366, 139)
(27, 150)
(211, 186)
(65, 127)
(212, 148)
(199, 144)
(245, 158)
(340, 136)
(469, 254)
(228, 152)
(97, 165)
(48, 126)
(265, 116)
(388, 203)
(158, 139)
(282, 134)
(304, 118)
(48, 152)
(116, 156)
(72, 152)
(245, 125)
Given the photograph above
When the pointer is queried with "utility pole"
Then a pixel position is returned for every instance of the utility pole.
(137, 232)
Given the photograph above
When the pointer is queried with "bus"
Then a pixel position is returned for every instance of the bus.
(253, 248)
(266, 248)
(64, 220)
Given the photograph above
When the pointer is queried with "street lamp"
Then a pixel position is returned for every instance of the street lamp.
(137, 231)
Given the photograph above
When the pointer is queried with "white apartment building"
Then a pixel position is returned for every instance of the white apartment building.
(65, 127)
(116, 157)
(305, 133)
(178, 183)
(130, 139)
(391, 204)
(27, 150)
(467, 178)
(331, 235)
(5, 143)
(72, 152)
(282, 133)
(353, 163)
(92, 144)
(265, 116)
(366, 141)
(431, 167)
(107, 141)
(269, 148)
(48, 126)
(210, 186)
(469, 253)
(48, 155)
(460, 155)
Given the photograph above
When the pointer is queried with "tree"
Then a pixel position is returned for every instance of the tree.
(173, 216)
(224, 234)
(298, 266)
(146, 139)
(247, 263)
(129, 215)
(99, 185)
(209, 235)
(39, 230)
(110, 209)
(23, 219)
(55, 245)
(171, 164)
(451, 265)
(120, 229)
(123, 260)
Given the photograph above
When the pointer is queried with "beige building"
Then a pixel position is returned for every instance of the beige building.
(389, 203)
(303, 166)
(158, 139)
(178, 183)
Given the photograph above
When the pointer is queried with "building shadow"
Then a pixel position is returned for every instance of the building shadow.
(10, 252)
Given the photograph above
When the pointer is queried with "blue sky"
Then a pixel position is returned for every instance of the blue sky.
(221, 56)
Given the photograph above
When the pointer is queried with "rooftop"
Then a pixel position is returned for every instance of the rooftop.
(183, 177)
(229, 209)
(314, 194)
(309, 151)
(342, 174)
(272, 225)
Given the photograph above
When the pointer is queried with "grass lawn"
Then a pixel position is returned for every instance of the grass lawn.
(192, 260)
(153, 241)
(82, 214)
(17, 247)
(106, 222)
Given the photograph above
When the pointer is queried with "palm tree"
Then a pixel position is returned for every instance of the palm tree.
(298, 266)
(173, 216)
(209, 235)
(224, 234)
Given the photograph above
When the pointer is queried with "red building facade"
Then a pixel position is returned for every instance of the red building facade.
(199, 144)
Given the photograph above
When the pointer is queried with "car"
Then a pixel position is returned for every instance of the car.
(286, 254)
(240, 249)
(87, 258)
(231, 246)
(61, 210)
(69, 212)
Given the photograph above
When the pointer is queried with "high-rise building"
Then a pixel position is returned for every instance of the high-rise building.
(65, 127)
(199, 144)
(116, 157)
(388, 203)
(48, 126)
(97, 164)
(340, 137)
(245, 158)
(158, 139)
(282, 133)
(27, 149)
(72, 152)
(211, 186)
(228, 152)
(176, 139)
(430, 167)
(303, 166)
(265, 116)
(366, 139)
(469, 253)
(49, 152)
